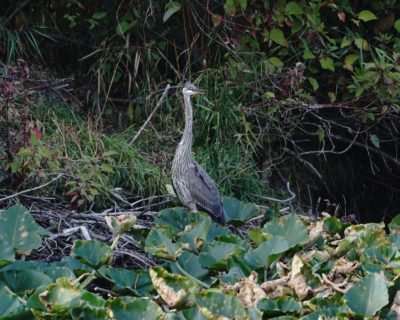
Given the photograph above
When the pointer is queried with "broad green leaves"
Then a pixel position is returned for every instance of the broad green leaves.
(291, 228)
(91, 252)
(216, 254)
(19, 233)
(267, 252)
(368, 295)
(159, 243)
(239, 212)
(211, 273)
(214, 303)
(127, 308)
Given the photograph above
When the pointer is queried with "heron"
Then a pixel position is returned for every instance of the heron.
(193, 186)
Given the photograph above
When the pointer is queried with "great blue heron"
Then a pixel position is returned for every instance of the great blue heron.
(192, 184)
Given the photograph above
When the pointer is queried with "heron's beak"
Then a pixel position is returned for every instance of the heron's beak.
(199, 91)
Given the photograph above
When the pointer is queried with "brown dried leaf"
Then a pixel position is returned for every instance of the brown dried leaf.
(297, 280)
(248, 291)
(342, 265)
(275, 288)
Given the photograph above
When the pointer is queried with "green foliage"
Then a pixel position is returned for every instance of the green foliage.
(216, 279)
(92, 253)
(19, 233)
(368, 296)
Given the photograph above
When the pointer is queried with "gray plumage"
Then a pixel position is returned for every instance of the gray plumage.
(192, 184)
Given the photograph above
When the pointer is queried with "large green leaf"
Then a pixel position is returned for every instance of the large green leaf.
(159, 243)
(188, 227)
(279, 306)
(214, 303)
(176, 290)
(383, 253)
(191, 264)
(128, 308)
(193, 313)
(290, 227)
(61, 295)
(215, 256)
(238, 211)
(368, 296)
(267, 252)
(92, 253)
(178, 218)
(18, 232)
(8, 303)
(24, 280)
(126, 280)
(238, 269)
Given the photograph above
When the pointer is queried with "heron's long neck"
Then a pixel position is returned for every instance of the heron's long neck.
(186, 142)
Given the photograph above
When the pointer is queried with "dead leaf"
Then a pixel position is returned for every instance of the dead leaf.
(167, 293)
(248, 291)
(297, 280)
(342, 16)
(342, 265)
(275, 288)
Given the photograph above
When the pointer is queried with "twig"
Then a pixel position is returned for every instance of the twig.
(32, 189)
(150, 116)
(292, 196)
(332, 284)
(68, 232)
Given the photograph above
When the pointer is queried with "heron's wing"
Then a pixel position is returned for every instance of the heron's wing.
(205, 193)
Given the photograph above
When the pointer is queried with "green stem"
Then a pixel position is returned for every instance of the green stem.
(115, 241)
(181, 270)
(88, 279)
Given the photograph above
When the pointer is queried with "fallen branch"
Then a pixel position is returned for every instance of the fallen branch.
(32, 189)
(150, 116)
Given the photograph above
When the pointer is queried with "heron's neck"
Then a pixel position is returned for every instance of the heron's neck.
(186, 141)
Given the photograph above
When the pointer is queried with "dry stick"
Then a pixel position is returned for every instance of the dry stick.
(32, 189)
(150, 116)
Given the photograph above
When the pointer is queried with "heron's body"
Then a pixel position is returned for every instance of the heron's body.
(193, 185)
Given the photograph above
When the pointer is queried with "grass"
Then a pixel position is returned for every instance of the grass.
(96, 162)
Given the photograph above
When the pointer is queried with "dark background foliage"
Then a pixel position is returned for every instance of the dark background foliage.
(299, 91)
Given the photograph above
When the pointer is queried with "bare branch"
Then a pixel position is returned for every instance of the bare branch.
(32, 189)
(150, 116)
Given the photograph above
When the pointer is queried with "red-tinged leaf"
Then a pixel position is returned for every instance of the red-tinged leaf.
(342, 16)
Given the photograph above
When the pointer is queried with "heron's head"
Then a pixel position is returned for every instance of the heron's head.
(189, 89)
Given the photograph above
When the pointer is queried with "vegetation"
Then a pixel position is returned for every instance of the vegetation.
(321, 269)
(300, 115)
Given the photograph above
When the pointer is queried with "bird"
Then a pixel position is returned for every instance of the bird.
(193, 186)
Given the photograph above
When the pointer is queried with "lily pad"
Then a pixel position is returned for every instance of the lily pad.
(92, 253)
(159, 243)
(368, 296)
(18, 232)
(289, 227)
(215, 256)
(8, 303)
(238, 212)
(267, 252)
(214, 303)
(128, 308)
